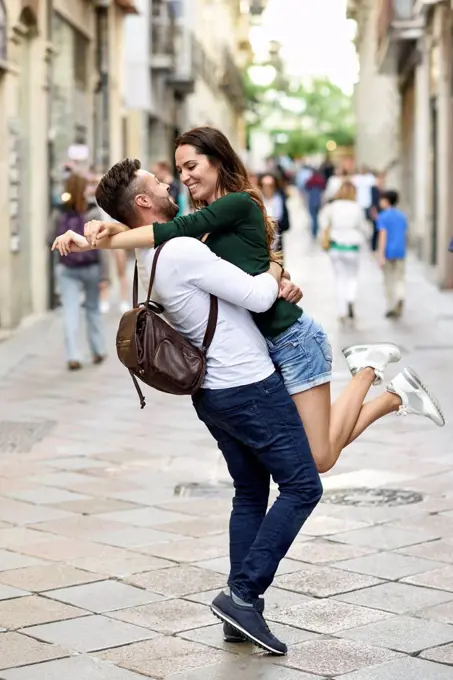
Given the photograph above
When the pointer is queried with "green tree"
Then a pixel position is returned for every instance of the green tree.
(309, 114)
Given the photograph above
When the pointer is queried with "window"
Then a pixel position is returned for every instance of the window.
(3, 30)
(80, 60)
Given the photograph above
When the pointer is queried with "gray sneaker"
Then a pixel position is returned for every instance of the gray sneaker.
(415, 398)
(377, 355)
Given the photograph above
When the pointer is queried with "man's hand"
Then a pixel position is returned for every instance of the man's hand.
(97, 231)
(70, 242)
(289, 291)
(381, 260)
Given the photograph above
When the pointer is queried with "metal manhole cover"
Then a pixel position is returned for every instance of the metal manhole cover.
(371, 497)
(18, 436)
(204, 490)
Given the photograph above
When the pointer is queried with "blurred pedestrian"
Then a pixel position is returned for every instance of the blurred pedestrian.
(275, 203)
(164, 173)
(327, 168)
(375, 209)
(392, 245)
(334, 184)
(343, 230)
(364, 181)
(303, 175)
(315, 187)
(79, 273)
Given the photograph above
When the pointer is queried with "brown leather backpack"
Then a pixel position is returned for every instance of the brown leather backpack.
(155, 352)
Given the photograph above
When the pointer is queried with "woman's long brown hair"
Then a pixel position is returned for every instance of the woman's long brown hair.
(233, 176)
(76, 186)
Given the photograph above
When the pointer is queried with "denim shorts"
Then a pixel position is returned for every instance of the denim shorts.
(303, 355)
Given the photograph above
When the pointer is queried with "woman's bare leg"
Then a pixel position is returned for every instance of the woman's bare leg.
(373, 410)
(329, 427)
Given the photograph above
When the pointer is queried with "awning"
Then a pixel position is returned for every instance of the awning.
(128, 6)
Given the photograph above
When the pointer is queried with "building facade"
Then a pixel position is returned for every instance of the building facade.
(60, 103)
(414, 47)
(180, 75)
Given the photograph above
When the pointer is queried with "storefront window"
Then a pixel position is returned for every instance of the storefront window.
(3, 30)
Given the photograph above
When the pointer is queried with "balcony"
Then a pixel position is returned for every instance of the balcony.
(182, 78)
(397, 23)
(162, 37)
(231, 82)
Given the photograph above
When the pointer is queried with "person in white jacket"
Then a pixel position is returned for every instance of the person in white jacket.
(346, 227)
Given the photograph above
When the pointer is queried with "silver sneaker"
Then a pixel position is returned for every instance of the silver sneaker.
(415, 398)
(377, 356)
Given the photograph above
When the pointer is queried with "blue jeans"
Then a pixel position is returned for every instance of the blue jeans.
(260, 434)
(72, 281)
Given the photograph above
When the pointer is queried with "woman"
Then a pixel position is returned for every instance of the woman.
(314, 189)
(345, 226)
(274, 200)
(79, 272)
(232, 213)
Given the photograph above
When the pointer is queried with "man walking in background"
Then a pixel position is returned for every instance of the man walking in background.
(392, 244)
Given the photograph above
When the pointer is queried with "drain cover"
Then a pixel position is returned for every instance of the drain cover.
(21, 436)
(371, 497)
(204, 490)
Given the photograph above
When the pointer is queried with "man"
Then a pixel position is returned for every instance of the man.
(392, 245)
(243, 401)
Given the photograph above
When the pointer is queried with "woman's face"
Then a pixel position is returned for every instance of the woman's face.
(268, 186)
(197, 173)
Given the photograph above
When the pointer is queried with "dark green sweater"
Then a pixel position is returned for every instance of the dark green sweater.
(236, 234)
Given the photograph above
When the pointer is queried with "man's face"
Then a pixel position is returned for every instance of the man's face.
(155, 196)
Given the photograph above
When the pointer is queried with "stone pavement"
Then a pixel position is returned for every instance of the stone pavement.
(113, 521)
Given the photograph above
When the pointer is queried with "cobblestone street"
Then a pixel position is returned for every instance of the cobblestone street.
(113, 520)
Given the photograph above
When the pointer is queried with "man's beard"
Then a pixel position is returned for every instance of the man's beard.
(168, 209)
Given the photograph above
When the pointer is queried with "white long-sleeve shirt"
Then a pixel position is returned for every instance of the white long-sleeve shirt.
(348, 226)
(186, 274)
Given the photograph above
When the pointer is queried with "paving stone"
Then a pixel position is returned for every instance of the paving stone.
(213, 637)
(46, 577)
(399, 598)
(60, 549)
(32, 610)
(17, 512)
(442, 579)
(103, 596)
(321, 552)
(79, 526)
(76, 463)
(442, 654)
(90, 633)
(164, 655)
(221, 565)
(402, 633)
(145, 517)
(387, 565)
(120, 563)
(135, 537)
(8, 593)
(327, 616)
(200, 507)
(44, 495)
(188, 549)
(441, 551)
(73, 668)
(243, 669)
(178, 581)
(440, 526)
(19, 650)
(402, 669)
(96, 506)
(12, 560)
(318, 525)
(275, 598)
(383, 537)
(19, 537)
(334, 657)
(441, 612)
(198, 528)
(323, 581)
(168, 617)
(369, 478)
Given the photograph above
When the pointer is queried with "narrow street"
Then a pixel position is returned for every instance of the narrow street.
(113, 520)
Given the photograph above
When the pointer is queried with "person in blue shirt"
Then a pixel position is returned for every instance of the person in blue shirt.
(392, 245)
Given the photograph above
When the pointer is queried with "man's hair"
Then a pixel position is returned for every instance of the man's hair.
(117, 190)
(391, 196)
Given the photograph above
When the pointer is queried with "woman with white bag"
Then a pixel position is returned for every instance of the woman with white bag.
(343, 232)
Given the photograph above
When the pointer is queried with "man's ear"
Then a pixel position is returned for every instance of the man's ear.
(143, 201)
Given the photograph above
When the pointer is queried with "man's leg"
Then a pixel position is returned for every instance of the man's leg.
(70, 287)
(400, 292)
(389, 285)
(91, 278)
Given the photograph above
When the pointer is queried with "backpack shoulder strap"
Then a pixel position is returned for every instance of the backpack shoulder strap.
(153, 272)
(212, 323)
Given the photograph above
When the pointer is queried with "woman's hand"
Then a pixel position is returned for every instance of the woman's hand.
(70, 242)
(289, 291)
(97, 231)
